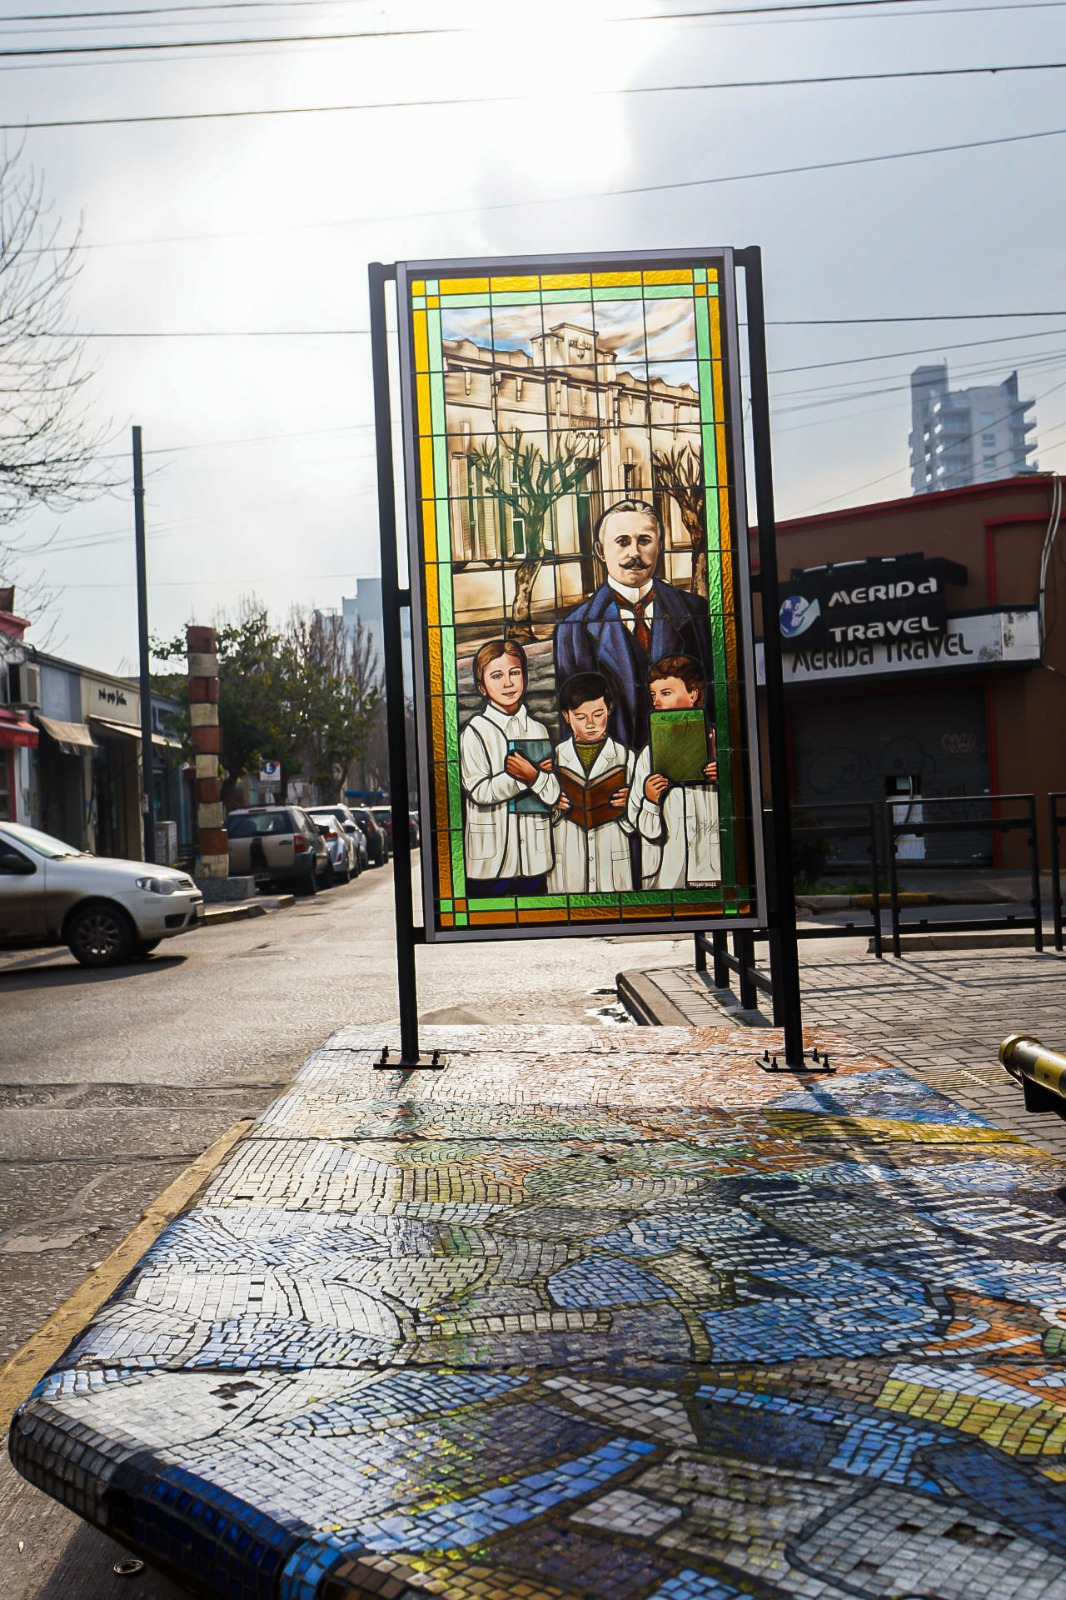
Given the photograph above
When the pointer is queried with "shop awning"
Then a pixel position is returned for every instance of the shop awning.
(71, 737)
(15, 732)
(127, 731)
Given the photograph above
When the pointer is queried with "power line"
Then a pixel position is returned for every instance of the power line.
(452, 102)
(899, 471)
(903, 8)
(556, 200)
(364, 333)
(49, 50)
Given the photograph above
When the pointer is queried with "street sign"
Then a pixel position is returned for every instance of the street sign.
(579, 583)
(270, 772)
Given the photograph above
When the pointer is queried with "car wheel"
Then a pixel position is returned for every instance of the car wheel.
(143, 948)
(347, 878)
(311, 881)
(101, 936)
(330, 876)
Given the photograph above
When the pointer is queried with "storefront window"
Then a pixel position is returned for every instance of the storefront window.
(7, 786)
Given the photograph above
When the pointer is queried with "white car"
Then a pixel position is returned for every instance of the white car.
(105, 910)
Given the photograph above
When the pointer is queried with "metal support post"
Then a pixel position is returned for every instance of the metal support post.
(720, 947)
(893, 880)
(147, 752)
(700, 958)
(875, 890)
(395, 705)
(1034, 870)
(783, 901)
(744, 950)
(1054, 822)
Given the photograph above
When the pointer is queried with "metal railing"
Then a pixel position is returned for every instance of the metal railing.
(1055, 822)
(817, 828)
(897, 826)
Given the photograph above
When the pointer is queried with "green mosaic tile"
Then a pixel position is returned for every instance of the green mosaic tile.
(447, 609)
(623, 293)
(516, 297)
(710, 456)
(448, 665)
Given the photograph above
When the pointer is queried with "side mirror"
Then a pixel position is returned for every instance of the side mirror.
(16, 867)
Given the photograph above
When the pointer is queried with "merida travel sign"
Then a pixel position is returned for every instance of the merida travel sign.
(867, 602)
(975, 639)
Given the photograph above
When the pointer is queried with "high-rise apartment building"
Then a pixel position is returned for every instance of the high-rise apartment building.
(966, 436)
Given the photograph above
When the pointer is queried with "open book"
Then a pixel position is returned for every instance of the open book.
(590, 803)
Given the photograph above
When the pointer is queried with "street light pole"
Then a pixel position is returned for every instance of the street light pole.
(147, 757)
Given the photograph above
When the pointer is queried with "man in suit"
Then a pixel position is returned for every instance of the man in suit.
(632, 620)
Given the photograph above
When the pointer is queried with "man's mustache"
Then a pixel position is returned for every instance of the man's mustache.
(636, 561)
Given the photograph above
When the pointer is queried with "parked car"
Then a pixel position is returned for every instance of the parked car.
(377, 843)
(383, 817)
(342, 851)
(352, 829)
(277, 845)
(104, 910)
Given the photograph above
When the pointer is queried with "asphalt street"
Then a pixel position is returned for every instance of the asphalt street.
(111, 1083)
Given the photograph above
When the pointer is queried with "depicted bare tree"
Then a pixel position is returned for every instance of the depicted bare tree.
(679, 473)
(49, 451)
(519, 474)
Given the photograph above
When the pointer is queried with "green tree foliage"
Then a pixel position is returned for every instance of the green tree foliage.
(519, 474)
(304, 694)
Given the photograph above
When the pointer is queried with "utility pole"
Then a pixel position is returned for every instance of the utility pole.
(147, 754)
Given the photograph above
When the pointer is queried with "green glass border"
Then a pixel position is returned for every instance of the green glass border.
(717, 621)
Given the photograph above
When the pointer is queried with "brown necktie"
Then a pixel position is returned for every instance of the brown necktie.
(641, 632)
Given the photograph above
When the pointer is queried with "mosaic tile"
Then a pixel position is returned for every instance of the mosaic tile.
(585, 1316)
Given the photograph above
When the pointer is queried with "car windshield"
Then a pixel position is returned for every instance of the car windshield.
(42, 844)
(249, 825)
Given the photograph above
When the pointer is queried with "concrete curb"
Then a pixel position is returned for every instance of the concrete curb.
(646, 1003)
(20, 1376)
(250, 908)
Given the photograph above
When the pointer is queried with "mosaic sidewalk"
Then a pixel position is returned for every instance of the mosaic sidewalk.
(588, 1314)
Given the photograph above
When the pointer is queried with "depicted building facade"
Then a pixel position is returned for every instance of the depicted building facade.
(965, 436)
(570, 389)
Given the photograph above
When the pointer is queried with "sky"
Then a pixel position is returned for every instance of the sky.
(222, 296)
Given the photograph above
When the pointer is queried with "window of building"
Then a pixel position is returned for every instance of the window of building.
(988, 419)
(988, 440)
(7, 786)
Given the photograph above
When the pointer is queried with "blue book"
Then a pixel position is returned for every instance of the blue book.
(536, 751)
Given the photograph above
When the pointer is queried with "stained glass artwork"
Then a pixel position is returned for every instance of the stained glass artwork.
(576, 509)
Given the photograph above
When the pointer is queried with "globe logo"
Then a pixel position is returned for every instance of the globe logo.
(798, 614)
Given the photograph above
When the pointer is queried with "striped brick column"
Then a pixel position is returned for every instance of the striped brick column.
(200, 645)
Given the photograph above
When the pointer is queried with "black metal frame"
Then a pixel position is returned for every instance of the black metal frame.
(992, 824)
(781, 896)
(781, 904)
(1055, 821)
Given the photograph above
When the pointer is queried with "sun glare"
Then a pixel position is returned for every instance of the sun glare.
(559, 57)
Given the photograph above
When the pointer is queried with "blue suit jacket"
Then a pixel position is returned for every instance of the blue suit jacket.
(593, 638)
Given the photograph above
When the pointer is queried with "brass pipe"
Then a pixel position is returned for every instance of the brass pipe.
(1040, 1071)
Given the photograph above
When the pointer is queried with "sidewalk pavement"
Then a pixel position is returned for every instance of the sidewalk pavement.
(588, 1313)
(941, 1014)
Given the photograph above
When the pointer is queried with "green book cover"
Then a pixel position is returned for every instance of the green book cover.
(536, 751)
(679, 745)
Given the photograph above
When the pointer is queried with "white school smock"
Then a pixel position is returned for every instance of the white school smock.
(592, 860)
(680, 839)
(500, 843)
